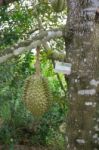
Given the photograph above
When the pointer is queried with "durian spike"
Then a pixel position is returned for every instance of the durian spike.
(37, 64)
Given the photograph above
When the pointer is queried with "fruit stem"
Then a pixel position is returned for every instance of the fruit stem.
(37, 64)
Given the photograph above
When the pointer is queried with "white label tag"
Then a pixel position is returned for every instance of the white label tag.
(62, 67)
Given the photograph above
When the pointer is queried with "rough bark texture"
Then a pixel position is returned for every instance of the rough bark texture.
(82, 47)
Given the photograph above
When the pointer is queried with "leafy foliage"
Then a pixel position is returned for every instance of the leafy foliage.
(17, 125)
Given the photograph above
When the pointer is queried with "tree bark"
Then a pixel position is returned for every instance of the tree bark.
(82, 48)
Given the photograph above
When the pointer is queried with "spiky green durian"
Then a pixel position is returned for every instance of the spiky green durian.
(58, 5)
(37, 95)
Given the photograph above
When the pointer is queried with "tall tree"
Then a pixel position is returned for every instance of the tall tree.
(82, 47)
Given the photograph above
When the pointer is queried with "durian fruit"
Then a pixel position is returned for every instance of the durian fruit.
(58, 5)
(37, 95)
(56, 55)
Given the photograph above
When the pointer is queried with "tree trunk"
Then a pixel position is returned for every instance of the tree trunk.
(82, 48)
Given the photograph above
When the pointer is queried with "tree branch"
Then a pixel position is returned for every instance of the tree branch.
(32, 42)
(47, 48)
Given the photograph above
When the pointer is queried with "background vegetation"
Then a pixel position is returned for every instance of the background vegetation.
(17, 124)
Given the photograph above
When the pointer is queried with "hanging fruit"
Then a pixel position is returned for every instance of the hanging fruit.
(58, 5)
(37, 95)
